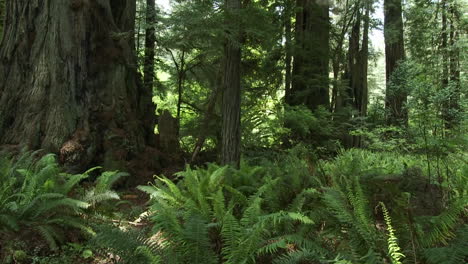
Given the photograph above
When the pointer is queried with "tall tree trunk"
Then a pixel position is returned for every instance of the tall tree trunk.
(338, 57)
(356, 96)
(361, 89)
(231, 132)
(445, 63)
(311, 56)
(150, 40)
(288, 47)
(139, 20)
(395, 101)
(209, 115)
(181, 71)
(450, 64)
(352, 75)
(68, 81)
(362, 94)
(454, 68)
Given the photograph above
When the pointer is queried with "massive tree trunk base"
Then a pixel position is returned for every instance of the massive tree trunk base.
(68, 82)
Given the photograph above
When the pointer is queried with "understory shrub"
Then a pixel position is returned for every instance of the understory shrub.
(39, 203)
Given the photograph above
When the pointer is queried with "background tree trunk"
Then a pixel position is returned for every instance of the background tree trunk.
(395, 101)
(288, 6)
(450, 64)
(454, 100)
(68, 81)
(231, 133)
(150, 44)
(311, 56)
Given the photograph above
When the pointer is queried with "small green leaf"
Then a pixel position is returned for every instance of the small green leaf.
(87, 254)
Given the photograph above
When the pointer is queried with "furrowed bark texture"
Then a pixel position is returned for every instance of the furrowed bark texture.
(150, 41)
(68, 81)
(231, 133)
(395, 101)
(2, 17)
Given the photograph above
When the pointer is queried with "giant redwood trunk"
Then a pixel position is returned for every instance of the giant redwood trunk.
(68, 81)
(395, 101)
(310, 67)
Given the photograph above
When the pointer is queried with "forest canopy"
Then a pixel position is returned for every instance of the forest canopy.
(233, 131)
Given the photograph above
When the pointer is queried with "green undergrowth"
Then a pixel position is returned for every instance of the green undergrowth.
(43, 209)
(359, 207)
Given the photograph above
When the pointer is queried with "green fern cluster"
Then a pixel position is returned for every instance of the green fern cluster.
(361, 181)
(205, 220)
(36, 198)
(128, 247)
(292, 210)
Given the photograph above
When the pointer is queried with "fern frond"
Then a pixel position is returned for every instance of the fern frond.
(394, 251)
(294, 257)
(49, 236)
(442, 228)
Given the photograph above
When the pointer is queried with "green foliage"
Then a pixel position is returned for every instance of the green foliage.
(287, 211)
(32, 198)
(289, 208)
(307, 126)
(394, 250)
(203, 211)
(37, 199)
(131, 246)
(362, 180)
(454, 252)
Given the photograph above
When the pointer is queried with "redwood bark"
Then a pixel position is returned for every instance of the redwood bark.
(2, 17)
(310, 67)
(395, 101)
(231, 132)
(68, 81)
(150, 44)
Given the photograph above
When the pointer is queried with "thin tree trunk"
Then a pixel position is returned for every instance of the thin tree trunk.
(395, 101)
(150, 40)
(209, 114)
(288, 48)
(68, 82)
(445, 63)
(352, 75)
(362, 98)
(361, 90)
(138, 36)
(450, 65)
(231, 132)
(337, 58)
(454, 105)
(180, 86)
